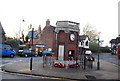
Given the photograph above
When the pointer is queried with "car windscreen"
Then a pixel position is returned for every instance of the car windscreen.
(6, 47)
(27, 51)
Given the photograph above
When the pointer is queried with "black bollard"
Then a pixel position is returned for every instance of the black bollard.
(31, 63)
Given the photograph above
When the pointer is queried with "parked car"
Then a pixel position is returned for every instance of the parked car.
(20, 51)
(45, 52)
(26, 53)
(6, 50)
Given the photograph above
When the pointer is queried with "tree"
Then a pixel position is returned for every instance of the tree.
(88, 30)
(12, 42)
(92, 34)
(105, 49)
(26, 38)
(94, 47)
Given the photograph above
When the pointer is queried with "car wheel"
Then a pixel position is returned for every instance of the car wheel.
(26, 55)
(12, 55)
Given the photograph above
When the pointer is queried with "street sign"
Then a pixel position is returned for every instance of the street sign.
(30, 34)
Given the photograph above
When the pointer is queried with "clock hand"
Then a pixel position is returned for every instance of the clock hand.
(73, 37)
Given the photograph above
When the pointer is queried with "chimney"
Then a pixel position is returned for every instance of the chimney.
(39, 29)
(47, 22)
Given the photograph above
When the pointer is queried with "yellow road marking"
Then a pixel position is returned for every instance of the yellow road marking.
(38, 76)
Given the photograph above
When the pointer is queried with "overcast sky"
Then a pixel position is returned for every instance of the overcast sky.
(102, 15)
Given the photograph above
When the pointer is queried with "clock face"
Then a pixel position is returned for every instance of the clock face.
(72, 37)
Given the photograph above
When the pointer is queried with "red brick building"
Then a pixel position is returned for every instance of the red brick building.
(48, 36)
(62, 39)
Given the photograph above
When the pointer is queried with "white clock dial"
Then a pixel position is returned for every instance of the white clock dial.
(72, 37)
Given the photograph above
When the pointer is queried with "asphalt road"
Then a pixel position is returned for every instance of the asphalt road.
(8, 60)
(3, 61)
(17, 59)
(108, 57)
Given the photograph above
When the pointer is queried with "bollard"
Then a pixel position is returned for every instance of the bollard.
(31, 63)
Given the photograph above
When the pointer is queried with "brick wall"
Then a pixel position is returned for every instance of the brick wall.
(48, 37)
(64, 39)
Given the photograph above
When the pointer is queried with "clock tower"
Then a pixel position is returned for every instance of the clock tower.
(67, 33)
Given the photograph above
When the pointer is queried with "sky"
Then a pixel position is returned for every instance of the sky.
(102, 15)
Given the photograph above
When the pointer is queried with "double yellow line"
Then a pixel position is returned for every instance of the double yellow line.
(43, 77)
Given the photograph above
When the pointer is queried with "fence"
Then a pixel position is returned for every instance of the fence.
(82, 63)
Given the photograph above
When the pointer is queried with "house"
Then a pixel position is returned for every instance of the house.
(113, 46)
(2, 34)
(114, 43)
(36, 40)
(83, 43)
(48, 36)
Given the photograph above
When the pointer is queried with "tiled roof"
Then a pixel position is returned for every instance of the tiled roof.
(52, 27)
(1, 29)
(34, 41)
(83, 37)
(113, 41)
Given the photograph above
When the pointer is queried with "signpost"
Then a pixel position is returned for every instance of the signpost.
(32, 36)
(98, 62)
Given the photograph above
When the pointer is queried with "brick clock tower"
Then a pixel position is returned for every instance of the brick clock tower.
(67, 34)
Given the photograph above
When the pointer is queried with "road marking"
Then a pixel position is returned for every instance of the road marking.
(37, 76)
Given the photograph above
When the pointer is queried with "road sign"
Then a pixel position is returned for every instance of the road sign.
(30, 34)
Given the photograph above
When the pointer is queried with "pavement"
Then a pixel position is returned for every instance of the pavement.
(107, 71)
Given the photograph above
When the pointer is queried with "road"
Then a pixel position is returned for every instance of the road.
(103, 56)
(17, 59)
(108, 57)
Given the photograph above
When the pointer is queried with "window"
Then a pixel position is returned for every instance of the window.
(0, 47)
(86, 43)
(8, 48)
(81, 43)
(71, 53)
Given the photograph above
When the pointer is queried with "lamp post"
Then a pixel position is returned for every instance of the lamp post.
(98, 63)
(20, 29)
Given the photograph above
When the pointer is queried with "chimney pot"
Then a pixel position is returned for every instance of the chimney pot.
(47, 22)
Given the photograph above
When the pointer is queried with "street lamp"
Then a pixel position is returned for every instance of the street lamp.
(20, 29)
(98, 62)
